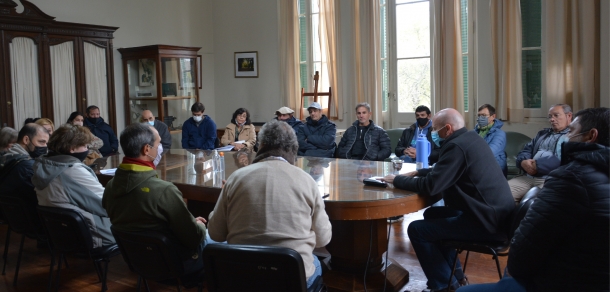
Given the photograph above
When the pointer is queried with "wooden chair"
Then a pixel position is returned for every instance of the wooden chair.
(315, 95)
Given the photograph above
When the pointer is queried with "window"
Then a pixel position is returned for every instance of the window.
(531, 59)
(383, 8)
(310, 47)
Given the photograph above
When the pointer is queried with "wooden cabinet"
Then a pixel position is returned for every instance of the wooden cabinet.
(162, 79)
(50, 68)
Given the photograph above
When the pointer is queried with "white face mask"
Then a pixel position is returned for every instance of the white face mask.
(158, 158)
(77, 124)
(197, 118)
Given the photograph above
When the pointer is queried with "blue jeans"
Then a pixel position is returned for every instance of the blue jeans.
(194, 265)
(407, 159)
(507, 284)
(442, 223)
(317, 273)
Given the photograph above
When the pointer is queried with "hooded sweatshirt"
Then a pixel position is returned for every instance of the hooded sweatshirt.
(63, 181)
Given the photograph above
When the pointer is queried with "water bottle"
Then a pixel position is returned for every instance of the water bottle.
(422, 151)
(215, 161)
(221, 162)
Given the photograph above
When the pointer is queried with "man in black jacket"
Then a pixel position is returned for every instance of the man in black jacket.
(286, 114)
(102, 130)
(364, 140)
(317, 136)
(562, 243)
(405, 149)
(477, 198)
(166, 137)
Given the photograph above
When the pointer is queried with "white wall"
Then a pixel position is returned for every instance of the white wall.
(141, 23)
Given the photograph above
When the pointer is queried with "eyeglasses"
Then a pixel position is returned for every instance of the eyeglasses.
(555, 116)
(483, 116)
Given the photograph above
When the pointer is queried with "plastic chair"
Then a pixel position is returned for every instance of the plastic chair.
(20, 220)
(232, 267)
(514, 144)
(496, 249)
(69, 233)
(152, 256)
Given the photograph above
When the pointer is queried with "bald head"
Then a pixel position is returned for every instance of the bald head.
(147, 116)
(448, 116)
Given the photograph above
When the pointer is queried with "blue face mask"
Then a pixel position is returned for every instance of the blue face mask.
(482, 121)
(436, 138)
(152, 123)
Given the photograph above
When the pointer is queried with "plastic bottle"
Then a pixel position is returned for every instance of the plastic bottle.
(221, 160)
(215, 161)
(422, 152)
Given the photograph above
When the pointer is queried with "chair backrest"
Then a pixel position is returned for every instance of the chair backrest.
(149, 254)
(395, 136)
(519, 213)
(16, 213)
(514, 144)
(532, 193)
(231, 267)
(67, 229)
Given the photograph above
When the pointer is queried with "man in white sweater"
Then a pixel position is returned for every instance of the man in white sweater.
(272, 202)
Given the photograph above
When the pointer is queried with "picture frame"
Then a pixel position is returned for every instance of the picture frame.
(146, 67)
(246, 64)
(199, 71)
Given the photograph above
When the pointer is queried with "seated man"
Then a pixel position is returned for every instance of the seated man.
(542, 154)
(364, 140)
(199, 131)
(317, 136)
(102, 130)
(293, 215)
(406, 147)
(477, 198)
(161, 127)
(285, 114)
(562, 243)
(16, 166)
(137, 200)
(489, 128)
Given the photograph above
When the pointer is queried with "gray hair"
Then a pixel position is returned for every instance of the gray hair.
(134, 137)
(278, 135)
(364, 104)
(8, 135)
(566, 108)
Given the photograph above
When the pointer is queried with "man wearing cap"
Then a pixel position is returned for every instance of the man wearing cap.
(317, 136)
(285, 114)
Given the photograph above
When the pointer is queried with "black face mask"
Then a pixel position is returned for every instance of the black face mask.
(80, 155)
(93, 120)
(422, 121)
(38, 151)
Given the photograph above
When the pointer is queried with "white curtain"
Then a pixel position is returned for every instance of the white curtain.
(95, 76)
(25, 81)
(507, 46)
(63, 81)
(289, 54)
(329, 15)
(447, 82)
(573, 53)
(367, 54)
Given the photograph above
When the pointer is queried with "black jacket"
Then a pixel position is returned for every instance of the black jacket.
(468, 179)
(294, 123)
(317, 138)
(16, 171)
(376, 141)
(103, 131)
(563, 242)
(166, 137)
(407, 137)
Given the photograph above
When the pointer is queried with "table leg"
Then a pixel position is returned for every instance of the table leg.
(351, 243)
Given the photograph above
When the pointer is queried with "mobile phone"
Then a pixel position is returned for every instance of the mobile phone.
(374, 183)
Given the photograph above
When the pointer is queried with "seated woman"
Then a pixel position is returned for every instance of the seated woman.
(77, 119)
(47, 124)
(240, 129)
(62, 180)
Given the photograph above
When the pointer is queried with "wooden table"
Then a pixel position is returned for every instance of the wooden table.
(358, 213)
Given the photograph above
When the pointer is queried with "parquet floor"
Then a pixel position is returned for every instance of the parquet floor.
(81, 276)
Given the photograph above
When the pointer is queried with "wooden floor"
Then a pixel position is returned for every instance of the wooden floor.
(81, 276)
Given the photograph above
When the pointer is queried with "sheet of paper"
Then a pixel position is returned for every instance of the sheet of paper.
(108, 171)
(225, 148)
(240, 142)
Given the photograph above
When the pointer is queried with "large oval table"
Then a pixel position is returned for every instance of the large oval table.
(358, 213)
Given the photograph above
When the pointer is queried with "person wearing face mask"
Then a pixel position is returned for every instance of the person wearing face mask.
(161, 127)
(541, 155)
(406, 147)
(562, 242)
(16, 166)
(137, 200)
(240, 129)
(317, 136)
(62, 180)
(102, 130)
(490, 129)
(199, 131)
(477, 198)
(77, 119)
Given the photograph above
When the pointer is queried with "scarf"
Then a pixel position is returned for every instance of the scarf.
(483, 131)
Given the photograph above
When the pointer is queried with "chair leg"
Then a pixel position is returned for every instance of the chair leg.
(146, 285)
(61, 255)
(97, 269)
(457, 252)
(465, 262)
(139, 282)
(104, 274)
(51, 271)
(6, 242)
(498, 266)
(19, 260)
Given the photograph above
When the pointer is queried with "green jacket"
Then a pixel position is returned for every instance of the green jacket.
(136, 200)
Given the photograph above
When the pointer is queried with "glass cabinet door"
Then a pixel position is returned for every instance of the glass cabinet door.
(142, 84)
(179, 90)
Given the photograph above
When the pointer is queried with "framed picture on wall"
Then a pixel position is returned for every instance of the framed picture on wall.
(246, 64)
(145, 72)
